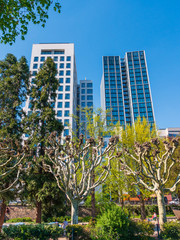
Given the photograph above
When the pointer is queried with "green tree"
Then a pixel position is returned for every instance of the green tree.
(39, 123)
(14, 80)
(15, 16)
(141, 132)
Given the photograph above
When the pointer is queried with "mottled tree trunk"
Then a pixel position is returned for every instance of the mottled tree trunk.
(142, 206)
(3, 212)
(74, 211)
(38, 212)
(161, 208)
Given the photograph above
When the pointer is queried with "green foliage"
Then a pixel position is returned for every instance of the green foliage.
(115, 223)
(14, 83)
(16, 15)
(171, 231)
(14, 79)
(15, 220)
(78, 232)
(33, 232)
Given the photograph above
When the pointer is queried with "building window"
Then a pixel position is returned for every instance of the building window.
(35, 66)
(82, 97)
(89, 104)
(68, 58)
(42, 59)
(66, 132)
(67, 96)
(36, 59)
(45, 52)
(56, 59)
(60, 96)
(59, 105)
(59, 113)
(61, 65)
(60, 89)
(61, 73)
(82, 91)
(89, 97)
(62, 58)
(89, 85)
(59, 52)
(61, 80)
(68, 73)
(68, 80)
(83, 104)
(66, 113)
(83, 85)
(34, 73)
(68, 65)
(67, 105)
(67, 88)
(89, 91)
(66, 122)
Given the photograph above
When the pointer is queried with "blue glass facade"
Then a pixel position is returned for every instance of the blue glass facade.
(125, 88)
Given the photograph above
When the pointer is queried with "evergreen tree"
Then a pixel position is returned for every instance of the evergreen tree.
(14, 78)
(40, 122)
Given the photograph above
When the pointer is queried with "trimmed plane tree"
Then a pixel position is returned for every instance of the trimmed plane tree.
(73, 164)
(154, 162)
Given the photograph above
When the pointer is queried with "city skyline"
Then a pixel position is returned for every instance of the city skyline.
(150, 26)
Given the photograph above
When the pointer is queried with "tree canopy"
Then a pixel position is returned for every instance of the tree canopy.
(15, 15)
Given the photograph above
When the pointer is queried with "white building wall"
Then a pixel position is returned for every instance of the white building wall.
(59, 50)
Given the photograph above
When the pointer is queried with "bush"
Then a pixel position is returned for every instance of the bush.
(78, 232)
(115, 223)
(171, 231)
(14, 220)
(59, 219)
(33, 232)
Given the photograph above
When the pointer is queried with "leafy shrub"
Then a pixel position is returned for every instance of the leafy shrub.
(59, 219)
(171, 231)
(33, 232)
(24, 219)
(113, 223)
(78, 232)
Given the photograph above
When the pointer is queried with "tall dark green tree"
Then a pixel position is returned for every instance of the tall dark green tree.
(40, 122)
(14, 78)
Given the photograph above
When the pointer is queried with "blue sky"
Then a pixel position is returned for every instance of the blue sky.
(101, 27)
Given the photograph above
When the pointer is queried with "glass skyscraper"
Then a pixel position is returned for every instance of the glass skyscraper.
(125, 88)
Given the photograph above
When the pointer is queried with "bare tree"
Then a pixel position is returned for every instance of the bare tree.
(73, 164)
(12, 154)
(154, 164)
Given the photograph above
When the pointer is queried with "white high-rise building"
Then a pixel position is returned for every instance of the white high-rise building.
(64, 57)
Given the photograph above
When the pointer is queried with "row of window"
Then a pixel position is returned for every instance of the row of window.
(88, 97)
(60, 113)
(56, 58)
(61, 73)
(89, 85)
(89, 104)
(60, 96)
(88, 91)
(61, 65)
(67, 88)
